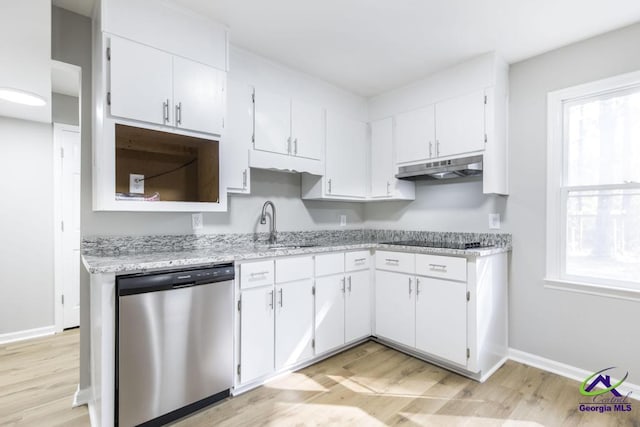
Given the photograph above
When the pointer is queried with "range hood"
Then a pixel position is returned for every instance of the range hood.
(442, 169)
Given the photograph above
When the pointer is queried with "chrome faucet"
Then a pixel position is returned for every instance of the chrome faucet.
(272, 226)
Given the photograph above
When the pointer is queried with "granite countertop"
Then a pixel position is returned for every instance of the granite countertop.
(130, 254)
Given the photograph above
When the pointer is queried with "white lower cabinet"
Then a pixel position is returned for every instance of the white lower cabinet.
(330, 313)
(294, 322)
(441, 318)
(256, 333)
(395, 307)
(357, 323)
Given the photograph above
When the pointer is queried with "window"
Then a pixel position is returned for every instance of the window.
(593, 186)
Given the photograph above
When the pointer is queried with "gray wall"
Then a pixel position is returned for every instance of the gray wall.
(26, 225)
(65, 109)
(589, 332)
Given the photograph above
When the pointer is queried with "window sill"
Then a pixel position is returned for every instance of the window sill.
(593, 289)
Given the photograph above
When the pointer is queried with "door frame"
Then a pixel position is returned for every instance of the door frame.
(58, 255)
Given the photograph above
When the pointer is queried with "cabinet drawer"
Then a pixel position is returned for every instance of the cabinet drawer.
(395, 261)
(444, 267)
(293, 268)
(327, 264)
(254, 274)
(360, 260)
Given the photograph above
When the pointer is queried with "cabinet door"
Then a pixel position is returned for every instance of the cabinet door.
(330, 295)
(236, 140)
(346, 157)
(395, 307)
(272, 122)
(358, 306)
(198, 96)
(460, 125)
(415, 135)
(294, 322)
(382, 165)
(140, 83)
(307, 130)
(441, 319)
(256, 333)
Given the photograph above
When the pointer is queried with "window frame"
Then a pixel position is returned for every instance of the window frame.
(558, 192)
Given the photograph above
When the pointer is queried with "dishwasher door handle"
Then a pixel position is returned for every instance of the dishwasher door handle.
(183, 285)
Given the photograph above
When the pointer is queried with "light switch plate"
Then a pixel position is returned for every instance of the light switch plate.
(136, 183)
(343, 220)
(196, 221)
(494, 221)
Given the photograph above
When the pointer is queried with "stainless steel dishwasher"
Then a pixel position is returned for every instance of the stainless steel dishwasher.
(174, 343)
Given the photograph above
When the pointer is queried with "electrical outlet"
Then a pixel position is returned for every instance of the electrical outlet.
(136, 183)
(196, 221)
(343, 220)
(494, 221)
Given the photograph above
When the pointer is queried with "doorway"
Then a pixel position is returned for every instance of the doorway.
(66, 80)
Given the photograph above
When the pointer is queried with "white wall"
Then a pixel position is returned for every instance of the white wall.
(65, 109)
(26, 225)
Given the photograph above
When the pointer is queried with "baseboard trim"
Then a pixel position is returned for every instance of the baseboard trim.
(27, 334)
(81, 397)
(565, 370)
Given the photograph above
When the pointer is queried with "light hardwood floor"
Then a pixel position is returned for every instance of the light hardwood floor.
(369, 385)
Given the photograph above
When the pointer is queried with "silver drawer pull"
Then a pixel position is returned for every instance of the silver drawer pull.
(395, 261)
(271, 295)
(438, 266)
(360, 260)
(260, 273)
(409, 286)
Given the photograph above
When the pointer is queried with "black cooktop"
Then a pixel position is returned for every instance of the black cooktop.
(435, 244)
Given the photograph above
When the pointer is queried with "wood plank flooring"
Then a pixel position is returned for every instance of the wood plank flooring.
(370, 385)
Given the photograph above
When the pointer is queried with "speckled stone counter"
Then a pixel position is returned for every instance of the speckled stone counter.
(139, 253)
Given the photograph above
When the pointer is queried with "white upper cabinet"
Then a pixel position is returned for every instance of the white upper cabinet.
(346, 157)
(287, 126)
(198, 96)
(141, 82)
(152, 86)
(384, 184)
(272, 122)
(307, 129)
(415, 135)
(236, 140)
(460, 125)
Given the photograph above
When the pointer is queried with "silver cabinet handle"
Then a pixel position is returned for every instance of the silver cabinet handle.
(410, 286)
(281, 296)
(437, 147)
(165, 111)
(179, 113)
(271, 300)
(259, 273)
(244, 178)
(388, 188)
(349, 287)
(329, 185)
(289, 145)
(360, 260)
(343, 287)
(437, 266)
(392, 261)
(295, 146)
(417, 287)
(430, 148)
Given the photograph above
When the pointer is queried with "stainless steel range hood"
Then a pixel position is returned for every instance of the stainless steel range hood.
(442, 169)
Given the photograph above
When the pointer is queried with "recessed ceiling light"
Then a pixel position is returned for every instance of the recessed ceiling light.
(21, 97)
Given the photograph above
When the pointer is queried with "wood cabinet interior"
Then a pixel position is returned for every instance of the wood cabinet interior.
(177, 167)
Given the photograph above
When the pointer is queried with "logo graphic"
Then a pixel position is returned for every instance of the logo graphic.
(597, 386)
(604, 380)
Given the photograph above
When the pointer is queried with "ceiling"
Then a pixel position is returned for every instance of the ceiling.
(372, 46)
(65, 79)
(83, 7)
